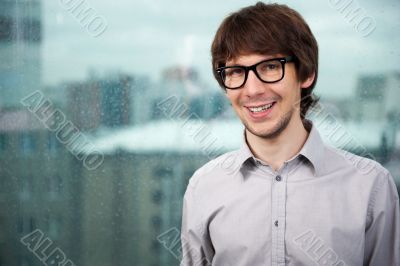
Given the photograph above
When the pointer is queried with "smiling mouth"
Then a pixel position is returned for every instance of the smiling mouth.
(261, 108)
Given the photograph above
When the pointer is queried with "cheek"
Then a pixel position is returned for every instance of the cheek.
(233, 97)
(289, 100)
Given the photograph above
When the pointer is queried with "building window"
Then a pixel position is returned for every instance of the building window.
(26, 226)
(32, 224)
(157, 196)
(161, 172)
(52, 143)
(26, 187)
(156, 222)
(53, 226)
(6, 25)
(155, 246)
(27, 143)
(20, 224)
(3, 142)
(54, 185)
(31, 30)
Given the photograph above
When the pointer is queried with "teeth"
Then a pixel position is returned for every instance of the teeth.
(260, 108)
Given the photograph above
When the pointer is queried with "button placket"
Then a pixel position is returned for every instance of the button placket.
(278, 216)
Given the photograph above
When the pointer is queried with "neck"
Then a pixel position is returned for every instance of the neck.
(276, 151)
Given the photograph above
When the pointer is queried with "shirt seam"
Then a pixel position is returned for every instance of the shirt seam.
(374, 195)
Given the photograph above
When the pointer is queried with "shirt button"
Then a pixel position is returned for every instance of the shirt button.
(278, 178)
(276, 223)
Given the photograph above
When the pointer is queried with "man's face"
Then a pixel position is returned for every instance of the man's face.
(284, 96)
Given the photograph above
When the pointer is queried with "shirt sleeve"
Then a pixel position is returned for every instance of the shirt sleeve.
(197, 249)
(382, 236)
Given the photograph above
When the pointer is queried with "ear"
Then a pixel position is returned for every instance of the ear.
(307, 83)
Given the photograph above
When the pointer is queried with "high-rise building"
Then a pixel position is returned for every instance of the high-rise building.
(20, 44)
(40, 187)
(377, 97)
(136, 194)
(99, 102)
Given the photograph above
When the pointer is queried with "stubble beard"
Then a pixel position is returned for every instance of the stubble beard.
(280, 126)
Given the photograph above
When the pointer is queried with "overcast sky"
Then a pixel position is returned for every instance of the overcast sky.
(145, 37)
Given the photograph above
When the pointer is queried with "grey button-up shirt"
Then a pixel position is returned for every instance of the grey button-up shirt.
(324, 206)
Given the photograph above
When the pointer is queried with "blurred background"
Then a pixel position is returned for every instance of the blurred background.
(107, 109)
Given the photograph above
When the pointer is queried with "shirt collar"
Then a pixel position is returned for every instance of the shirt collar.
(243, 154)
(313, 149)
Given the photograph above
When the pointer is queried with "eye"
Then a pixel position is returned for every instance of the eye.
(234, 72)
(269, 66)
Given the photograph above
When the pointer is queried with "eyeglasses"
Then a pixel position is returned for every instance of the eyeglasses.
(268, 71)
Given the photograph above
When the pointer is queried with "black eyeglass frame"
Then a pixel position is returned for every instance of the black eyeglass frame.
(282, 60)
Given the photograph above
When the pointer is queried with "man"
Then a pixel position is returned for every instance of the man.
(284, 198)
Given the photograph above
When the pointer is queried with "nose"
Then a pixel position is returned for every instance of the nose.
(253, 86)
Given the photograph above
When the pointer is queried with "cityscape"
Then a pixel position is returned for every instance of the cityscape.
(94, 170)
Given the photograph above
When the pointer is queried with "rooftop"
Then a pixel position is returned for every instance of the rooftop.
(223, 135)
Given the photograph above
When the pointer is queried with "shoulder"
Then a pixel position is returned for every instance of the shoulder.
(359, 164)
(357, 169)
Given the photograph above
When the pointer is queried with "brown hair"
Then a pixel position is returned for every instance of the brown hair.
(269, 29)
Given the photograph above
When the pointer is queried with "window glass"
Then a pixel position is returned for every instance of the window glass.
(108, 108)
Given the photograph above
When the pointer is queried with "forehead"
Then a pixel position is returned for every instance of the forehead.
(250, 59)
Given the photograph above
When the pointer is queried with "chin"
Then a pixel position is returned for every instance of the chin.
(265, 134)
(274, 130)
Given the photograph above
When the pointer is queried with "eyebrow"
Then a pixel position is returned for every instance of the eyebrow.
(266, 58)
